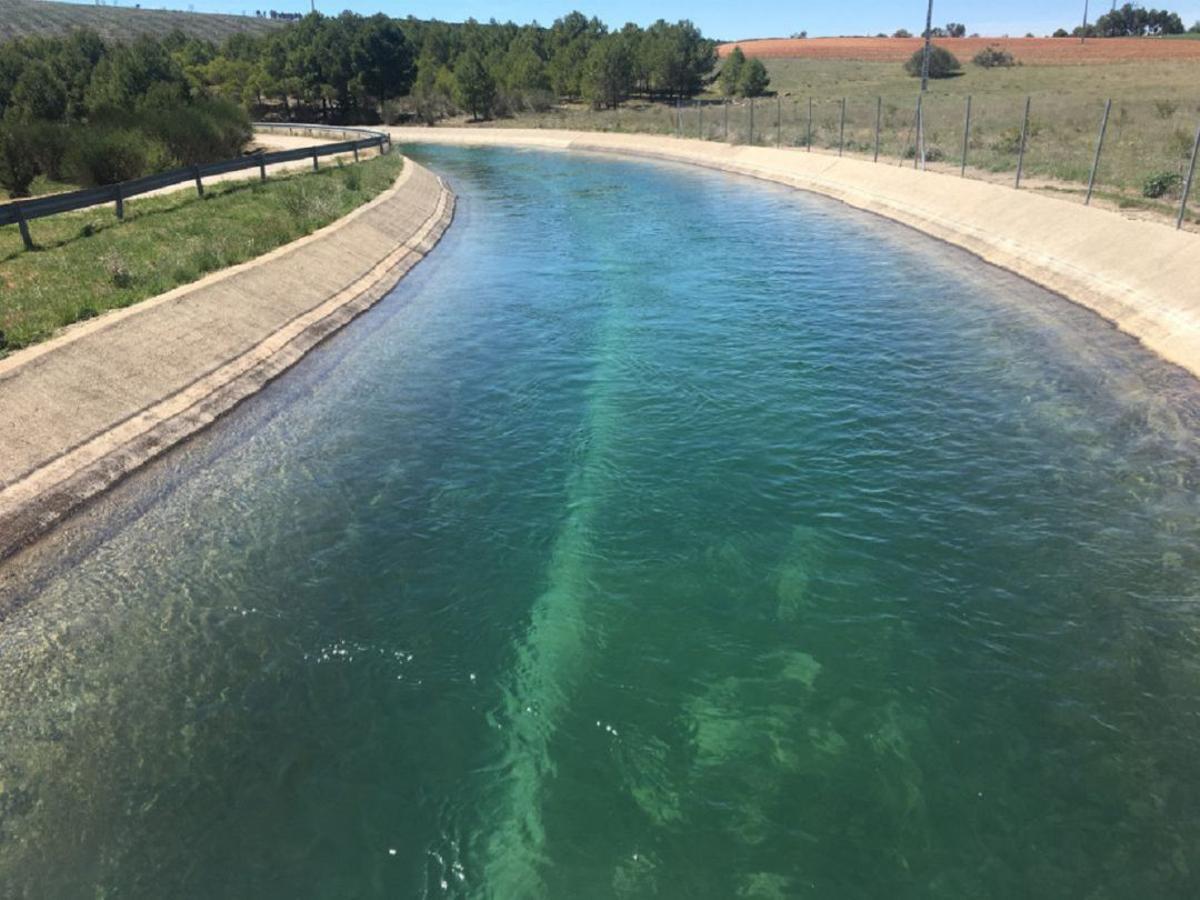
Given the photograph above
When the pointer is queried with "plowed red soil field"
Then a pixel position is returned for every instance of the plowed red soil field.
(1029, 51)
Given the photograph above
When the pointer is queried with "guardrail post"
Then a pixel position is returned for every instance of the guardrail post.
(120, 203)
(1099, 145)
(262, 166)
(199, 183)
(23, 227)
(842, 129)
(878, 123)
(1187, 182)
(966, 137)
(315, 166)
(1024, 138)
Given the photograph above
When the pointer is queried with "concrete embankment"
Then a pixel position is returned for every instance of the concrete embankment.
(81, 411)
(1143, 276)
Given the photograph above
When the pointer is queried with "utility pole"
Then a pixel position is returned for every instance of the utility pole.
(1083, 34)
(928, 47)
(920, 147)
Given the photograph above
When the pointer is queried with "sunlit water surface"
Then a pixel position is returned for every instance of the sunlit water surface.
(664, 534)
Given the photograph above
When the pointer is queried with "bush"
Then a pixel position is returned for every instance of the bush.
(902, 33)
(1061, 33)
(107, 155)
(18, 166)
(932, 154)
(942, 63)
(202, 132)
(49, 144)
(993, 57)
(1161, 184)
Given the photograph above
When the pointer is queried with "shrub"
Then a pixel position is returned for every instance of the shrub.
(932, 154)
(942, 63)
(49, 144)
(902, 33)
(1061, 33)
(18, 166)
(108, 155)
(993, 57)
(204, 131)
(1161, 184)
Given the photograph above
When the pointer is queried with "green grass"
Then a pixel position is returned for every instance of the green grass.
(43, 185)
(1156, 109)
(25, 18)
(88, 262)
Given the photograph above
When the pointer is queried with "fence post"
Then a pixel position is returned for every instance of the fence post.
(23, 227)
(778, 119)
(726, 109)
(356, 152)
(966, 137)
(699, 119)
(1187, 182)
(810, 124)
(842, 129)
(678, 118)
(262, 166)
(1024, 137)
(315, 159)
(751, 141)
(878, 123)
(120, 203)
(199, 183)
(1099, 146)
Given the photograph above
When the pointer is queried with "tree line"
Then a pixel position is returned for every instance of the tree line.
(1132, 20)
(85, 110)
(350, 68)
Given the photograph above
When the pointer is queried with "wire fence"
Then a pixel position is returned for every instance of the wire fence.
(21, 212)
(1132, 152)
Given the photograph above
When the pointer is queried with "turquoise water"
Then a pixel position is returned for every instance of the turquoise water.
(663, 534)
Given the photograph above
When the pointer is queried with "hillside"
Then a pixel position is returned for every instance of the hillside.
(22, 18)
(1030, 51)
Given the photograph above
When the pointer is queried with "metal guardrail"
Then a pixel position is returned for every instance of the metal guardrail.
(21, 212)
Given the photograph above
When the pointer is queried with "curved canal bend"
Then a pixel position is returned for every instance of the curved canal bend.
(663, 534)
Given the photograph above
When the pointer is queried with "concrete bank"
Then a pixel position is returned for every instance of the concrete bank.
(80, 411)
(1142, 276)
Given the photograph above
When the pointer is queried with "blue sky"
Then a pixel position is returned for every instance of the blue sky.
(724, 19)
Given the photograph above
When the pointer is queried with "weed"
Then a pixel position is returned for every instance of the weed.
(1161, 184)
(117, 270)
(1165, 109)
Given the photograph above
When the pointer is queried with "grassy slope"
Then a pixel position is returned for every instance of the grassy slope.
(89, 262)
(21, 18)
(1156, 109)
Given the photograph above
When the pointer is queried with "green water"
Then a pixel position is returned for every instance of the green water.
(664, 534)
